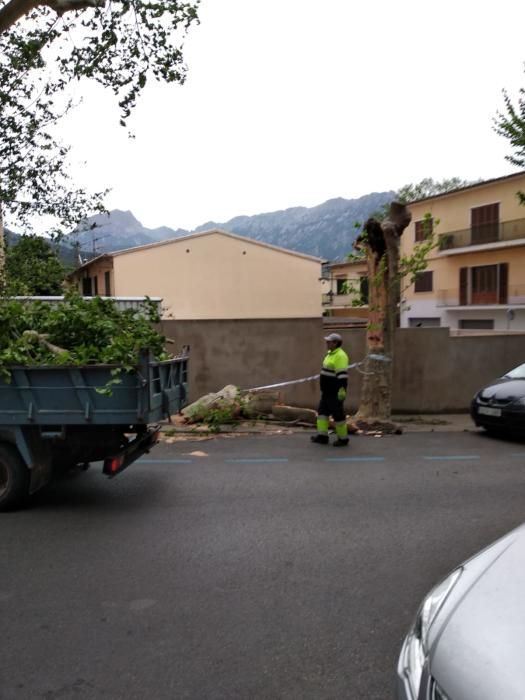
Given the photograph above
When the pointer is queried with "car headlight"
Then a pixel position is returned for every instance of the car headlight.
(416, 644)
(432, 605)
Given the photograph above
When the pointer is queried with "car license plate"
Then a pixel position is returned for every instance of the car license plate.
(486, 411)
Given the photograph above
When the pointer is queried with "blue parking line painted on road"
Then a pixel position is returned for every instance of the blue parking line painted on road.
(256, 460)
(164, 461)
(451, 457)
(354, 459)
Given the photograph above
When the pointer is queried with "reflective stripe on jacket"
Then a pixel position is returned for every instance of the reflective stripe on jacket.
(334, 372)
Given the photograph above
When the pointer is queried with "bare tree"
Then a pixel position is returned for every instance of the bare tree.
(381, 241)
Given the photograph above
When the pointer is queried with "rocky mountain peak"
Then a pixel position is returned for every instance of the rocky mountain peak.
(326, 230)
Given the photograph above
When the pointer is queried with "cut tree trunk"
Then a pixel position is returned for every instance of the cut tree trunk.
(259, 403)
(294, 414)
(382, 247)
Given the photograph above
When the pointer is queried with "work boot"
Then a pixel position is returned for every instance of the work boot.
(320, 439)
(341, 442)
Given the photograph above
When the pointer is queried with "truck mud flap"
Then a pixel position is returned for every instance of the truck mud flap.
(140, 445)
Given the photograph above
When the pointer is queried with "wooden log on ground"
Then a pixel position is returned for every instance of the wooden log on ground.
(259, 403)
(291, 413)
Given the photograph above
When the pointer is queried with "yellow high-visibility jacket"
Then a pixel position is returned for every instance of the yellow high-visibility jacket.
(334, 372)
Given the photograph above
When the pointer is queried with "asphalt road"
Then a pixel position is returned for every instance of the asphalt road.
(265, 567)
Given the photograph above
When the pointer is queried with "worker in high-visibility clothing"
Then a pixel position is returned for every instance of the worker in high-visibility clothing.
(334, 382)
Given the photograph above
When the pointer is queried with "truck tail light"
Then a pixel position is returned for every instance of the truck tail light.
(114, 464)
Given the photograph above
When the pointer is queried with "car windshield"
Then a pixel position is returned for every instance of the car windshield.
(517, 373)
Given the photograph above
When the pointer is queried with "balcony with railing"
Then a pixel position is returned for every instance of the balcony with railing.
(332, 300)
(451, 297)
(483, 234)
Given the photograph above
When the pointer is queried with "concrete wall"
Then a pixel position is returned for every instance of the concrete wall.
(250, 353)
(433, 371)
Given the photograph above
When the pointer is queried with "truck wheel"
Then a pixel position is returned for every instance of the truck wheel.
(14, 478)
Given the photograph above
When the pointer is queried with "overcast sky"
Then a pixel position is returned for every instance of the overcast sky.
(293, 102)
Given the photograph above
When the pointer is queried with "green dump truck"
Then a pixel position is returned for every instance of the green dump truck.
(58, 417)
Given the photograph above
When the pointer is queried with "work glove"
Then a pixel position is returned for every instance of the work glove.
(341, 394)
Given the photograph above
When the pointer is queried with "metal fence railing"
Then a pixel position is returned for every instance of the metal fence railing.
(122, 302)
(483, 234)
(450, 297)
(343, 300)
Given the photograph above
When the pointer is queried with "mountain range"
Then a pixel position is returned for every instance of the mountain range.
(68, 255)
(327, 230)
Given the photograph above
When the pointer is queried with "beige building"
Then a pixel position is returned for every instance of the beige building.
(475, 279)
(344, 287)
(210, 275)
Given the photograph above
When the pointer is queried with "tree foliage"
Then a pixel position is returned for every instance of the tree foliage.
(33, 268)
(45, 46)
(510, 123)
(76, 331)
(428, 187)
(33, 164)
(411, 265)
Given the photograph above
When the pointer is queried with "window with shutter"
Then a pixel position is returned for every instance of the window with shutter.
(484, 281)
(424, 281)
(484, 284)
(341, 285)
(503, 283)
(484, 224)
(424, 229)
(363, 288)
(476, 323)
(463, 286)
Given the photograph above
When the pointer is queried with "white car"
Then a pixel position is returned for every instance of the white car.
(468, 639)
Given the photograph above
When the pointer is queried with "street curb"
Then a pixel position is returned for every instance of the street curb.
(445, 423)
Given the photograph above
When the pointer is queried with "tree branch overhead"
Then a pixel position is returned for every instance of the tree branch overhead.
(15, 9)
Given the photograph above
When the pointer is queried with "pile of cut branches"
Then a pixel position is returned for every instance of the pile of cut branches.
(77, 331)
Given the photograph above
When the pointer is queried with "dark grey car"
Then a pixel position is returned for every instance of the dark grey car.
(468, 638)
(500, 406)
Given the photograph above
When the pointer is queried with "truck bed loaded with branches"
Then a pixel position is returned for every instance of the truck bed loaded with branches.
(80, 381)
